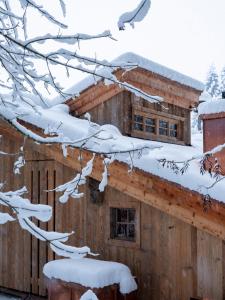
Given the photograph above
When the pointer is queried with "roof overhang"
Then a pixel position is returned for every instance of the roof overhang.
(151, 83)
(164, 195)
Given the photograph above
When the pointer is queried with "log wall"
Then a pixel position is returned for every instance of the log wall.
(174, 260)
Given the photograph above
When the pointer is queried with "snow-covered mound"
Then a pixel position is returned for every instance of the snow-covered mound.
(91, 273)
(212, 107)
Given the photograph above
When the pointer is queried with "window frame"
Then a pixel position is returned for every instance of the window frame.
(172, 120)
(116, 223)
(128, 204)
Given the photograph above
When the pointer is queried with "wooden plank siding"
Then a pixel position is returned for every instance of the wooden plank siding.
(172, 92)
(174, 260)
(119, 109)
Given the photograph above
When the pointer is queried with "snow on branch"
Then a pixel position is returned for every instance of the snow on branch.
(70, 189)
(137, 15)
(22, 210)
(5, 217)
(20, 55)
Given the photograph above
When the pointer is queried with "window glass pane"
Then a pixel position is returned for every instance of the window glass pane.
(121, 215)
(163, 124)
(149, 121)
(138, 119)
(121, 231)
(122, 223)
(138, 126)
(173, 126)
(173, 130)
(163, 127)
(150, 129)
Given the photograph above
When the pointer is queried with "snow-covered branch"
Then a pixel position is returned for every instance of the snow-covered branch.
(22, 210)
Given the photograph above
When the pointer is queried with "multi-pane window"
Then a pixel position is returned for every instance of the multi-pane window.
(156, 126)
(150, 125)
(163, 127)
(142, 123)
(122, 223)
(138, 123)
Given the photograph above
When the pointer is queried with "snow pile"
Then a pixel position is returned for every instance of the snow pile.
(89, 295)
(137, 60)
(212, 107)
(137, 15)
(91, 273)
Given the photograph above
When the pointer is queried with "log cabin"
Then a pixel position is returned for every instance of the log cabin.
(151, 219)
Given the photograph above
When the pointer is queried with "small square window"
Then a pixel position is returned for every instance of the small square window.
(122, 224)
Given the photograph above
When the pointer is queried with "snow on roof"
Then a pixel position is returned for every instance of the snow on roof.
(212, 107)
(111, 140)
(91, 273)
(161, 70)
(142, 62)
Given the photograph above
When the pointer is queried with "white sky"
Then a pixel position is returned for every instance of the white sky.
(186, 35)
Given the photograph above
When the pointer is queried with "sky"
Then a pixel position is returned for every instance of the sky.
(185, 35)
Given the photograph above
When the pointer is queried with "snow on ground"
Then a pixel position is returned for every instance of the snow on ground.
(212, 107)
(144, 63)
(91, 273)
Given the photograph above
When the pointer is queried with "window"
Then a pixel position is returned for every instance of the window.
(150, 125)
(138, 123)
(163, 127)
(141, 123)
(157, 125)
(122, 221)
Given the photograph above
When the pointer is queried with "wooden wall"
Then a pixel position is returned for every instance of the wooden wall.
(116, 111)
(22, 256)
(173, 261)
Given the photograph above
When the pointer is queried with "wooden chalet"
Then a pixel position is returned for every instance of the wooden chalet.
(158, 228)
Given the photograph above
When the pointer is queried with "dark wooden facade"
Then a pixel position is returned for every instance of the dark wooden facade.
(172, 260)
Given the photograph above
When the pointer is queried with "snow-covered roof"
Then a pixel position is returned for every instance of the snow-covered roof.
(161, 70)
(91, 273)
(212, 107)
(143, 63)
(110, 139)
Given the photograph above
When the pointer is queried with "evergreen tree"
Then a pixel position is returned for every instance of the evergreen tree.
(222, 80)
(212, 82)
